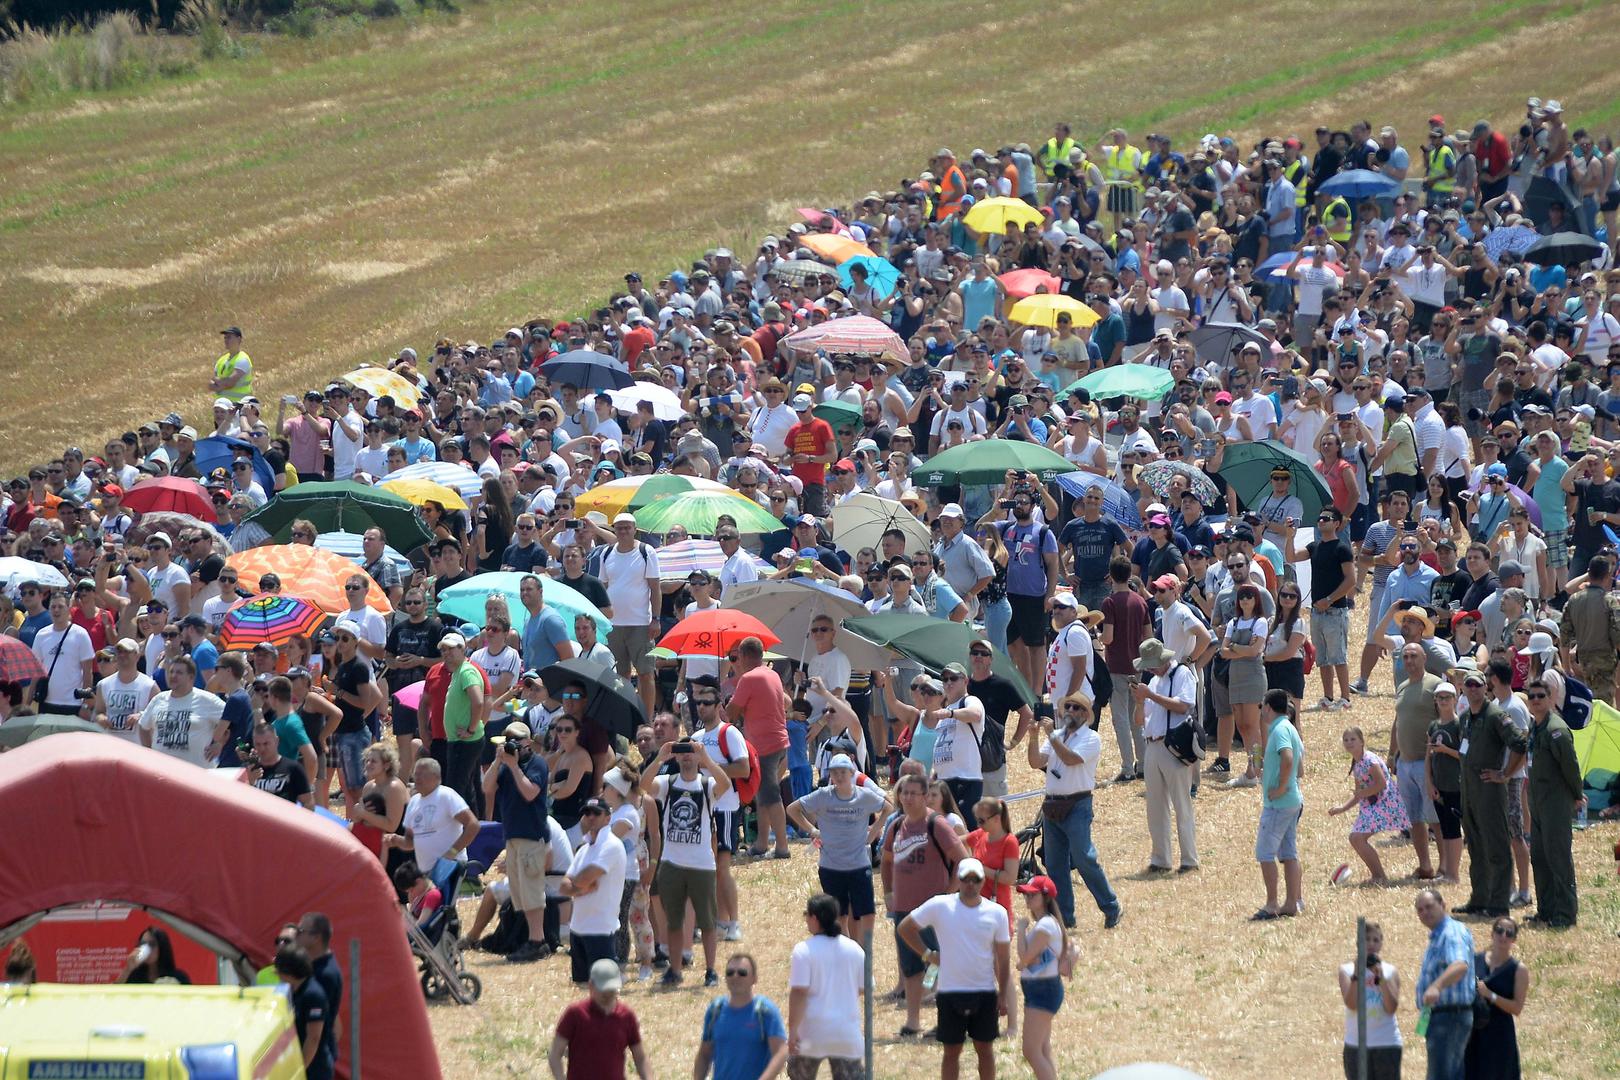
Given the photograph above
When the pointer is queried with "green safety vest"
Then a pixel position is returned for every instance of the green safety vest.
(1337, 210)
(1123, 165)
(1054, 153)
(224, 366)
(1442, 166)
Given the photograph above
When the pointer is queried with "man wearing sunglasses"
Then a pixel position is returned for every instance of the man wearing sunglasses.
(1333, 584)
(1068, 756)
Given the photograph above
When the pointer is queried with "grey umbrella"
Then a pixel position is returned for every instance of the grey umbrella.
(1215, 341)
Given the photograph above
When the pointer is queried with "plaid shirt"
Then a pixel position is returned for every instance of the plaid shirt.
(1448, 943)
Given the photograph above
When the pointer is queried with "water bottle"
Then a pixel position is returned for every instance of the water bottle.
(1580, 816)
(930, 977)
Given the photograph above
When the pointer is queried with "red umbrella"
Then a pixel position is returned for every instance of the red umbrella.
(18, 662)
(170, 494)
(715, 633)
(1022, 283)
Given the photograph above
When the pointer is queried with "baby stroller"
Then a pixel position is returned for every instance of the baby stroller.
(435, 942)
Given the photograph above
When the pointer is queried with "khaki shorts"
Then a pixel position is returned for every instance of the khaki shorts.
(526, 873)
(677, 885)
(631, 647)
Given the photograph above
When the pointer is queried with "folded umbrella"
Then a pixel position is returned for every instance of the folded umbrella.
(715, 632)
(610, 700)
(170, 494)
(587, 370)
(1247, 467)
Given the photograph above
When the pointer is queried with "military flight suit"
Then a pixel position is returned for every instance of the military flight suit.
(1553, 791)
(1488, 737)
(1591, 622)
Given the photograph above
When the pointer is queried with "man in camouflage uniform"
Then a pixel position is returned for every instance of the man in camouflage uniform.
(1489, 738)
(1554, 792)
(1590, 631)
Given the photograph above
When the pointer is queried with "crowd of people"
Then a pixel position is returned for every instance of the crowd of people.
(1443, 413)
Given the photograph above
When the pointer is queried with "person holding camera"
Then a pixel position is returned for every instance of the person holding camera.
(687, 870)
(265, 769)
(1380, 983)
(515, 786)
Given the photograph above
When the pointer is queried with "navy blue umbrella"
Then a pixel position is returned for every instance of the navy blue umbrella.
(1361, 184)
(587, 370)
(217, 452)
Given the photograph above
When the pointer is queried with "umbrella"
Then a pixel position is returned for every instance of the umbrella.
(1272, 268)
(881, 274)
(343, 505)
(837, 248)
(1510, 240)
(218, 451)
(700, 512)
(171, 494)
(1216, 341)
(800, 271)
(814, 216)
(987, 462)
(1539, 197)
(789, 606)
(1127, 380)
(631, 493)
(307, 572)
(587, 370)
(676, 561)
(714, 632)
(465, 600)
(14, 570)
(861, 521)
(666, 403)
(351, 547)
(840, 414)
(610, 700)
(1562, 249)
(411, 696)
(1117, 502)
(1022, 283)
(272, 617)
(24, 729)
(933, 643)
(990, 217)
(1042, 309)
(18, 662)
(422, 492)
(1356, 184)
(1247, 466)
(460, 479)
(861, 335)
(1597, 748)
(1530, 505)
(1157, 474)
(380, 382)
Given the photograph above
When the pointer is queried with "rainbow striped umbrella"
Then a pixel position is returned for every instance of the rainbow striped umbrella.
(272, 617)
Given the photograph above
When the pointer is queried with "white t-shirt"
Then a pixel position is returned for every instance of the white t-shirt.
(559, 855)
(125, 702)
(833, 667)
(956, 745)
(164, 583)
(346, 449)
(1047, 930)
(597, 912)
(771, 426)
(183, 727)
(63, 654)
(498, 666)
(738, 570)
(971, 419)
(687, 820)
(1313, 283)
(967, 939)
(214, 609)
(1382, 1030)
(1261, 416)
(736, 749)
(431, 821)
(1063, 778)
(833, 970)
(631, 579)
(1178, 624)
(1072, 641)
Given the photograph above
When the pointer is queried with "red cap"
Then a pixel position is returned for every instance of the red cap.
(112, 491)
(1461, 615)
(845, 464)
(1223, 398)
(1166, 581)
(1437, 121)
(1042, 884)
(1291, 143)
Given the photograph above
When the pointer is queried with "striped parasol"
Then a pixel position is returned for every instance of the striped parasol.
(800, 271)
(676, 561)
(271, 617)
(461, 479)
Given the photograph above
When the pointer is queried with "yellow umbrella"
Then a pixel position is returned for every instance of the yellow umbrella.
(1042, 310)
(836, 248)
(990, 218)
(421, 492)
(379, 382)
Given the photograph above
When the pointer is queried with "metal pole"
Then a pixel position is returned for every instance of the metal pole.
(354, 1008)
(867, 944)
(1361, 997)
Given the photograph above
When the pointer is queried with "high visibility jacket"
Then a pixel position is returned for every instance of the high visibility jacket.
(1441, 167)
(1297, 174)
(1123, 164)
(952, 186)
(1336, 219)
(1056, 153)
(225, 366)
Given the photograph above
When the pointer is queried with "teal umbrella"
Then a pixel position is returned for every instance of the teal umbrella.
(465, 600)
(840, 414)
(933, 643)
(343, 506)
(1247, 467)
(987, 462)
(1126, 380)
(21, 729)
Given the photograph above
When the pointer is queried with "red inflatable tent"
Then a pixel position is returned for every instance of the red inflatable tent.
(87, 817)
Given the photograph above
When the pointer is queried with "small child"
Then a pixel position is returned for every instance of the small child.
(422, 897)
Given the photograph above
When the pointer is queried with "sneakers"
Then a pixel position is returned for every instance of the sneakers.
(1324, 704)
(645, 974)
(669, 979)
(1519, 899)
(1124, 777)
(1113, 920)
(660, 959)
(710, 978)
(1243, 781)
(528, 953)
(1342, 704)
(731, 931)
(1221, 767)
(1359, 686)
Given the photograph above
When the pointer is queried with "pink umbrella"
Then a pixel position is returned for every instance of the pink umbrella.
(859, 334)
(1026, 282)
(811, 214)
(411, 696)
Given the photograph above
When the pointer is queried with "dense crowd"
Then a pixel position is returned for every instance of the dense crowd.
(1239, 393)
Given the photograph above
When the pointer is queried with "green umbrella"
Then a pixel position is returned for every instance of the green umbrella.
(1247, 466)
(987, 462)
(700, 511)
(343, 506)
(465, 600)
(22, 729)
(933, 643)
(1126, 380)
(840, 414)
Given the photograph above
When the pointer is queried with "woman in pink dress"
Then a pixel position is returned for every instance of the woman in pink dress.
(1381, 809)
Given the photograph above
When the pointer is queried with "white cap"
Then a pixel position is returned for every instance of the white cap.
(514, 332)
(841, 761)
(162, 536)
(952, 510)
(624, 519)
(610, 446)
(224, 403)
(347, 626)
(970, 866)
(1540, 644)
(801, 402)
(1156, 508)
(616, 780)
(455, 641)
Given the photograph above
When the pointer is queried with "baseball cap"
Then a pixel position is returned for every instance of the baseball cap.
(802, 402)
(517, 729)
(970, 867)
(841, 761)
(1496, 469)
(452, 641)
(1042, 884)
(952, 510)
(624, 519)
(605, 976)
(1166, 581)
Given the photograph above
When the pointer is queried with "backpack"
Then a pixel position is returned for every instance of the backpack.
(747, 786)
(1102, 684)
(1577, 703)
(711, 1015)
(894, 830)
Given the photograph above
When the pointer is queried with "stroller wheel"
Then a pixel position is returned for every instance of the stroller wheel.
(433, 987)
(471, 985)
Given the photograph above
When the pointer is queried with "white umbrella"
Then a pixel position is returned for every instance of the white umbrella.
(862, 520)
(666, 403)
(14, 570)
(350, 546)
(463, 480)
(789, 606)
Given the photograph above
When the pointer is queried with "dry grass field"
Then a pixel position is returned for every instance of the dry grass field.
(341, 199)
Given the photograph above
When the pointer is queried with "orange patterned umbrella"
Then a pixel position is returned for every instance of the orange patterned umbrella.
(309, 573)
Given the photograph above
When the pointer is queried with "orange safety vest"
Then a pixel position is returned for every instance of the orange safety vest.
(952, 186)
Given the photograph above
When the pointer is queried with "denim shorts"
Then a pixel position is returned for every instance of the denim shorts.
(1410, 781)
(1276, 838)
(1330, 633)
(351, 751)
(1043, 994)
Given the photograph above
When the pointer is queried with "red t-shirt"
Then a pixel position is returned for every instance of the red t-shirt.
(996, 857)
(597, 1040)
(812, 436)
(1128, 614)
(1493, 153)
(100, 628)
(764, 718)
(636, 342)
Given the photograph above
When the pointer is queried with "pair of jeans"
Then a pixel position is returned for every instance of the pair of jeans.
(1069, 848)
(996, 618)
(1447, 1042)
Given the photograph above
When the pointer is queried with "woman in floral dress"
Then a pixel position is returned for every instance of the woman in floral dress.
(1381, 809)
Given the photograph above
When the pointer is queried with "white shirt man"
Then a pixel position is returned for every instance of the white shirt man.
(69, 660)
(630, 576)
(770, 427)
(435, 821)
(970, 935)
(1061, 777)
(739, 567)
(1068, 661)
(185, 723)
(122, 696)
(596, 912)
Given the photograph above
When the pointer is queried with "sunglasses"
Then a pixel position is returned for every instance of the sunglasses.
(974, 878)
(1506, 931)
(739, 973)
(354, 588)
(1539, 696)
(1324, 520)
(1076, 708)
(571, 695)
(559, 729)
(821, 630)
(954, 678)
(170, 635)
(706, 701)
(898, 577)
(978, 652)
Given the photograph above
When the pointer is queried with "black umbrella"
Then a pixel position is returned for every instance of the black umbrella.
(1563, 249)
(610, 700)
(1542, 193)
(587, 370)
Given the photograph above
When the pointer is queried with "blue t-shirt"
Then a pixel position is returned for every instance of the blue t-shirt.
(420, 450)
(31, 627)
(539, 634)
(524, 559)
(741, 1037)
(1027, 548)
(1280, 736)
(206, 657)
(1092, 544)
(798, 733)
(1108, 332)
(521, 818)
(239, 714)
(938, 597)
(978, 300)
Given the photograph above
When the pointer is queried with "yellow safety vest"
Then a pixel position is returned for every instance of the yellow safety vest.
(1296, 174)
(1055, 154)
(225, 366)
(1442, 165)
(1122, 164)
(1336, 219)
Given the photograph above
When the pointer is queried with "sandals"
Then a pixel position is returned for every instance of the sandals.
(1264, 916)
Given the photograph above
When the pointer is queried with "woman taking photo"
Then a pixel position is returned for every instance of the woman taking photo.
(1438, 505)
(1285, 646)
(1504, 984)
(904, 728)
(1243, 646)
(994, 607)
(1040, 945)
(1381, 808)
(1380, 986)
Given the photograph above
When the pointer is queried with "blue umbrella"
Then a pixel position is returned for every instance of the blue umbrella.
(587, 370)
(1361, 184)
(217, 452)
(1117, 502)
(880, 273)
(1271, 269)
